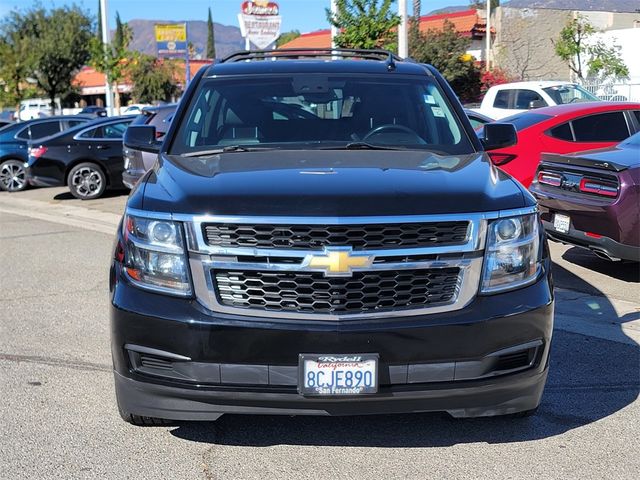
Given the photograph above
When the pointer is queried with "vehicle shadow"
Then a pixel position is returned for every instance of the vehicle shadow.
(591, 377)
(626, 271)
(110, 193)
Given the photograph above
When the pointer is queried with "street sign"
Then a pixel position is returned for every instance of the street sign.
(171, 39)
(260, 22)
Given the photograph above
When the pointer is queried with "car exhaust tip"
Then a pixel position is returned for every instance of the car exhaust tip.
(604, 255)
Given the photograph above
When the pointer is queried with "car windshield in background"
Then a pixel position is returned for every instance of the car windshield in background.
(525, 120)
(569, 94)
(320, 111)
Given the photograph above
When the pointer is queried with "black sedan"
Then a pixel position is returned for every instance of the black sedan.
(88, 158)
(15, 140)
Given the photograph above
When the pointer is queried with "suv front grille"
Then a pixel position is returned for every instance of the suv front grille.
(312, 292)
(359, 237)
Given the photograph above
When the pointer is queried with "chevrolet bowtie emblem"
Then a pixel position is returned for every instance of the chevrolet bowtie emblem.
(338, 262)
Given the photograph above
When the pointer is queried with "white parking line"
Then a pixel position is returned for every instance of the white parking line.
(80, 217)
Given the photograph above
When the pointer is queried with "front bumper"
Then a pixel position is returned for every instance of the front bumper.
(450, 349)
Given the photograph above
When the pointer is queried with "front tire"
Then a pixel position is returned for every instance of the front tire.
(13, 176)
(87, 181)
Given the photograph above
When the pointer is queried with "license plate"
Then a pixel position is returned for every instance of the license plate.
(561, 223)
(334, 375)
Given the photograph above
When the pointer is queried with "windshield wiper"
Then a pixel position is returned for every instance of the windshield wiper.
(227, 149)
(362, 146)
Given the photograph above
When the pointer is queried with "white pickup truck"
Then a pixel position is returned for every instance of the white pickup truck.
(510, 98)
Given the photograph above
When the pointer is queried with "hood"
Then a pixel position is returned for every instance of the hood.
(330, 183)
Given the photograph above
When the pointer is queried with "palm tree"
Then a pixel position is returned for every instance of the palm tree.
(416, 8)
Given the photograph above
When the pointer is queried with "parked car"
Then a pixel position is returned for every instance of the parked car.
(4, 123)
(477, 119)
(564, 129)
(94, 110)
(87, 159)
(138, 162)
(134, 108)
(14, 144)
(34, 108)
(361, 257)
(507, 99)
(8, 116)
(592, 199)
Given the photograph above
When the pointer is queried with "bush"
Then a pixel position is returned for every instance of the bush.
(497, 76)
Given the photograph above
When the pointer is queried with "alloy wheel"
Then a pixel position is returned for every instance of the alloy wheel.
(13, 176)
(87, 181)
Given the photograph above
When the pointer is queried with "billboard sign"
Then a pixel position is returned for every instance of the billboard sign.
(171, 39)
(260, 22)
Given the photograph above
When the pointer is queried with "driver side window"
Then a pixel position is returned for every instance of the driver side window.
(525, 98)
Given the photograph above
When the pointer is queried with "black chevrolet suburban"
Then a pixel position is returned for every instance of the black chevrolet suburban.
(323, 234)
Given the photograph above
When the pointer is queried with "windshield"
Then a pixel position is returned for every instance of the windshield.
(569, 94)
(320, 111)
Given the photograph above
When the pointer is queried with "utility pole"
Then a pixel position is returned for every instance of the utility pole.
(403, 40)
(334, 29)
(187, 67)
(105, 41)
(487, 47)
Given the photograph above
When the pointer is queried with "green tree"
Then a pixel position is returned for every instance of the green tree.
(576, 46)
(60, 41)
(122, 37)
(446, 50)
(211, 39)
(365, 23)
(153, 79)
(99, 29)
(17, 59)
(286, 37)
(113, 59)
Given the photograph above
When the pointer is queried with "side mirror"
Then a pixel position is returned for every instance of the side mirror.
(499, 135)
(537, 104)
(142, 137)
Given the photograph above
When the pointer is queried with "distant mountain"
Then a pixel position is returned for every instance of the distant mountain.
(584, 5)
(228, 38)
(458, 8)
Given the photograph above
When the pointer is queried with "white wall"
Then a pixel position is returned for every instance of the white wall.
(629, 41)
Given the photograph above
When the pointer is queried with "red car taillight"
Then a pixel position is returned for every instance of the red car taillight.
(37, 152)
(547, 178)
(500, 159)
(598, 187)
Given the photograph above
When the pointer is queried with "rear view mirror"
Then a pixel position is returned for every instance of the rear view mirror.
(537, 104)
(499, 135)
(141, 137)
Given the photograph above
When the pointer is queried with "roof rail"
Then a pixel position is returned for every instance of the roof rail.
(295, 53)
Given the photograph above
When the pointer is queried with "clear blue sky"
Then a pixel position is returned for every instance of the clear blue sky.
(303, 15)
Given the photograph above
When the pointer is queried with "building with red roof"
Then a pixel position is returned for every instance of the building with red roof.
(91, 84)
(467, 23)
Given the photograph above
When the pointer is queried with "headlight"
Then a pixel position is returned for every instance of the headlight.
(511, 258)
(154, 256)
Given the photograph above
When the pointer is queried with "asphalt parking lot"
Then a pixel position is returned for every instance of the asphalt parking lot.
(59, 417)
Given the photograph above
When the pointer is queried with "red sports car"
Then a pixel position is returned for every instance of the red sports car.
(564, 129)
